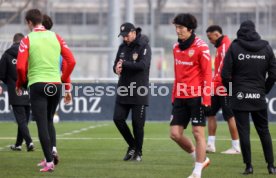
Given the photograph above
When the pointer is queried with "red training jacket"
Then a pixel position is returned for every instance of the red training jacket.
(220, 54)
(193, 69)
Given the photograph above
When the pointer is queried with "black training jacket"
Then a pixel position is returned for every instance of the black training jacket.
(8, 75)
(251, 67)
(136, 68)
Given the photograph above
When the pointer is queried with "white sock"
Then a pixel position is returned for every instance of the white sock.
(236, 144)
(198, 168)
(193, 154)
(211, 140)
(54, 149)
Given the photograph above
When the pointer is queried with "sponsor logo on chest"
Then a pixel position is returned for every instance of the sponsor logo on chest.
(185, 63)
(185, 58)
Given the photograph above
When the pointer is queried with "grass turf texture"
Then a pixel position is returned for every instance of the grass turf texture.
(97, 150)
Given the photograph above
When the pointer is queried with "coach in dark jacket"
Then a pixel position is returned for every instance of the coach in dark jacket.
(250, 65)
(20, 104)
(132, 64)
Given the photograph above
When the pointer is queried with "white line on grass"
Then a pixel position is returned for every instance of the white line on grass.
(58, 136)
(115, 138)
(82, 130)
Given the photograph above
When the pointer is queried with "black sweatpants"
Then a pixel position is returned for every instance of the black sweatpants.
(138, 121)
(22, 115)
(44, 103)
(261, 124)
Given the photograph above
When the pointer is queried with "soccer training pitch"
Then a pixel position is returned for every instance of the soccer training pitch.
(96, 149)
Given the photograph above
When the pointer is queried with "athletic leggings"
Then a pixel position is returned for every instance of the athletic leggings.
(44, 100)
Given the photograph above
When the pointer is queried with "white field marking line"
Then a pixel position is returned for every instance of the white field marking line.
(118, 138)
(81, 130)
(58, 136)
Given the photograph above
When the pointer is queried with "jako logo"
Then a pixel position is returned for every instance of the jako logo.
(240, 95)
(252, 96)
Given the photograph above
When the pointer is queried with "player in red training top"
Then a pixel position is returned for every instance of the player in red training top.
(220, 100)
(191, 94)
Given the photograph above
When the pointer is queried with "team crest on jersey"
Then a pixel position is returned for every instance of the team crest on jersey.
(191, 52)
(122, 55)
(134, 56)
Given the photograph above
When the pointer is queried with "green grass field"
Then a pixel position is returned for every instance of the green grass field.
(95, 150)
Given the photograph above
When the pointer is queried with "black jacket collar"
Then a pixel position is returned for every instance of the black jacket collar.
(187, 43)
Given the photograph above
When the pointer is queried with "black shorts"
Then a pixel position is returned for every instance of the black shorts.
(187, 109)
(221, 102)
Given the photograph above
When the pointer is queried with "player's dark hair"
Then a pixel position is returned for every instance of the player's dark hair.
(34, 16)
(186, 20)
(17, 37)
(214, 28)
(47, 22)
